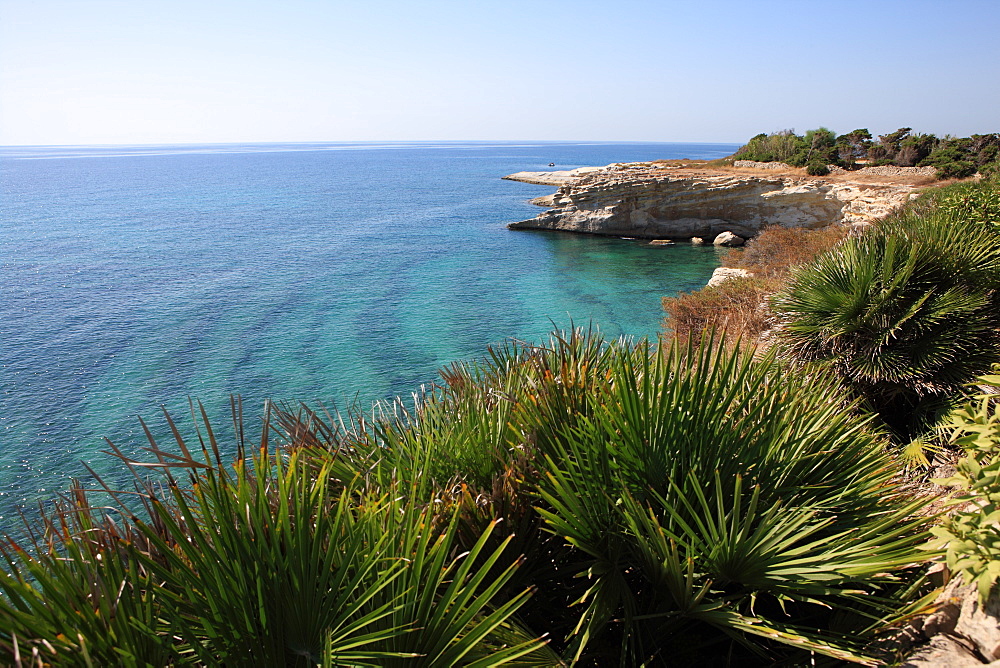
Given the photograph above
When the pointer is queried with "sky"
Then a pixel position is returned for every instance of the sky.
(189, 71)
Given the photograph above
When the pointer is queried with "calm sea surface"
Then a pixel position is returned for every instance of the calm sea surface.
(134, 277)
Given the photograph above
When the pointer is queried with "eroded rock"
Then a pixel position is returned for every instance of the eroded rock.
(723, 274)
(728, 239)
(648, 202)
(961, 631)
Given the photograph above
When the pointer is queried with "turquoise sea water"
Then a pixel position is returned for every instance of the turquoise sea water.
(135, 277)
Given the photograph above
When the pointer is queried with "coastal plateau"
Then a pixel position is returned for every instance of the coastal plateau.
(653, 200)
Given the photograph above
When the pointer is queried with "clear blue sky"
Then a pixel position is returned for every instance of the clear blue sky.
(149, 71)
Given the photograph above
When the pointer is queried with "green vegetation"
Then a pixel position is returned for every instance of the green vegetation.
(774, 147)
(953, 157)
(275, 563)
(905, 315)
(582, 502)
(815, 147)
(974, 202)
(971, 534)
(638, 505)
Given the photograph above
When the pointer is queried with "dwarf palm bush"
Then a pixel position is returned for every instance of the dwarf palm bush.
(79, 600)
(274, 562)
(905, 314)
(689, 505)
(711, 497)
(685, 505)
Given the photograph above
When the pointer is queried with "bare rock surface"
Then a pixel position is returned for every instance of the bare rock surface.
(892, 170)
(651, 201)
(556, 178)
(723, 274)
(753, 164)
(728, 239)
(961, 631)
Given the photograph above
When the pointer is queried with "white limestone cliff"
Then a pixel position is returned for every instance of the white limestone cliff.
(645, 200)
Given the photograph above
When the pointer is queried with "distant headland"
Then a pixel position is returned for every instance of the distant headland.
(781, 179)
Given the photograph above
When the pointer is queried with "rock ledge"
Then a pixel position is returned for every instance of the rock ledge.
(651, 201)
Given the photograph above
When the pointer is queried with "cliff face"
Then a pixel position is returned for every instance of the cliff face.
(648, 201)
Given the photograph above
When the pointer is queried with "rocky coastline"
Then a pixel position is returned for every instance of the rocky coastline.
(665, 201)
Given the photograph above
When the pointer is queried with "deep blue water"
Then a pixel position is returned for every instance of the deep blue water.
(135, 277)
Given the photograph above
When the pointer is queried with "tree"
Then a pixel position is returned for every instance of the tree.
(853, 146)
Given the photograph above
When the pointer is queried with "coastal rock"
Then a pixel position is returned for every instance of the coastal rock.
(892, 170)
(723, 274)
(753, 164)
(557, 178)
(661, 242)
(962, 632)
(944, 652)
(647, 201)
(729, 239)
(697, 241)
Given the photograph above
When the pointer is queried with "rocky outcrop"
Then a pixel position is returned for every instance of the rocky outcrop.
(753, 164)
(645, 200)
(960, 633)
(728, 239)
(558, 178)
(723, 274)
(892, 170)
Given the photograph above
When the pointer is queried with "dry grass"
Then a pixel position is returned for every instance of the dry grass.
(724, 166)
(681, 162)
(776, 250)
(878, 180)
(739, 306)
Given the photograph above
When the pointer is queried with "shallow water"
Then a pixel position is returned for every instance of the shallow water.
(135, 277)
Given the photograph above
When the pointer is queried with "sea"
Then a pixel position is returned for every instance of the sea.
(136, 278)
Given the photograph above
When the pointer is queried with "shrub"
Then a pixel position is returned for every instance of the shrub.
(739, 306)
(736, 306)
(984, 149)
(276, 563)
(959, 169)
(818, 146)
(683, 485)
(777, 249)
(961, 157)
(853, 146)
(888, 146)
(690, 504)
(692, 496)
(817, 169)
(775, 147)
(905, 315)
(915, 148)
(977, 202)
(970, 536)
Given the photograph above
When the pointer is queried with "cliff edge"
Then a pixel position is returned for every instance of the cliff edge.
(656, 201)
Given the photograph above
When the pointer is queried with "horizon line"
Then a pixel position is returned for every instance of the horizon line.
(366, 141)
